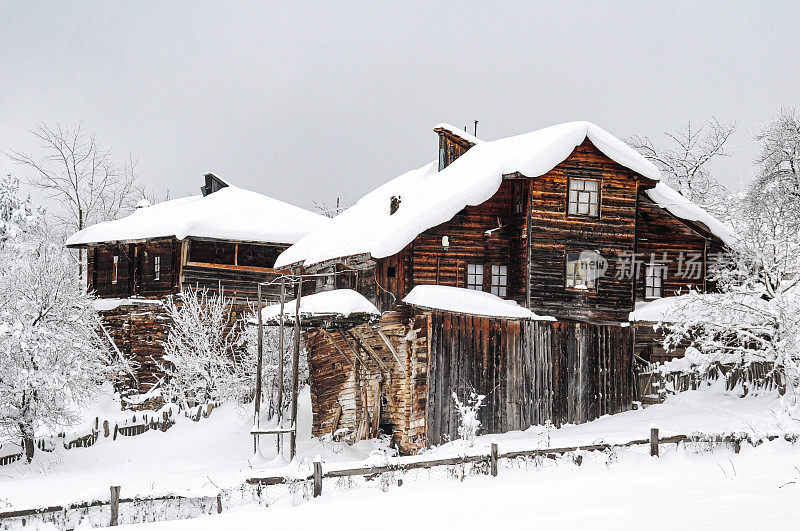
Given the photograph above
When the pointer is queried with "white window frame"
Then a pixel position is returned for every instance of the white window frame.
(115, 269)
(475, 277)
(156, 267)
(583, 197)
(499, 285)
(654, 277)
(579, 277)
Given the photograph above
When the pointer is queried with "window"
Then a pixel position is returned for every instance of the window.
(391, 272)
(583, 197)
(518, 198)
(115, 270)
(654, 280)
(156, 268)
(499, 280)
(475, 277)
(583, 270)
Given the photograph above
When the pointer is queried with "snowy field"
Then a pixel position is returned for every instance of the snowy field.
(627, 490)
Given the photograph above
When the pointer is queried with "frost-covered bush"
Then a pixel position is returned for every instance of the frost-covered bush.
(468, 423)
(203, 354)
(270, 382)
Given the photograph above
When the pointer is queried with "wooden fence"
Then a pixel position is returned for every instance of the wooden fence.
(490, 459)
(653, 385)
(138, 424)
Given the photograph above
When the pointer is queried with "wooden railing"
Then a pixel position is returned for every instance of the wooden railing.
(238, 282)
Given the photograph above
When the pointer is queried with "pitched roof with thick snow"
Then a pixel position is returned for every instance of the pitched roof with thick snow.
(232, 214)
(429, 197)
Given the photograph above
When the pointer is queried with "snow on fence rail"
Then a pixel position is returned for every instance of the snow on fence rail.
(197, 505)
(405, 464)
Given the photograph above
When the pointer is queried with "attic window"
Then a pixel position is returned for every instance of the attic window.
(584, 197)
(391, 272)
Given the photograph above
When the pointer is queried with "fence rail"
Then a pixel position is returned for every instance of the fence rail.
(316, 477)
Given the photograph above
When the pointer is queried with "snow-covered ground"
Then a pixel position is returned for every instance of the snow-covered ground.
(199, 458)
(719, 490)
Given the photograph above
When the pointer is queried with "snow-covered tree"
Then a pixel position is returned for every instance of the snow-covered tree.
(756, 314)
(684, 159)
(51, 359)
(16, 214)
(205, 361)
(269, 372)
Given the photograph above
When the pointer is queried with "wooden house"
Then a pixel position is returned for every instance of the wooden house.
(225, 240)
(508, 268)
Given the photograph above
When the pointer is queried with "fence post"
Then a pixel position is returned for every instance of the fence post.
(493, 459)
(737, 445)
(653, 440)
(114, 505)
(219, 503)
(317, 476)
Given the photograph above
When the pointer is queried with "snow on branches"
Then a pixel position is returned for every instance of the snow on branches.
(203, 351)
(468, 423)
(51, 357)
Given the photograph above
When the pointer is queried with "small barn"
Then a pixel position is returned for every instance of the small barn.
(225, 240)
(508, 268)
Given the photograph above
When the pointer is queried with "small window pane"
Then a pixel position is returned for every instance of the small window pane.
(583, 197)
(157, 268)
(475, 277)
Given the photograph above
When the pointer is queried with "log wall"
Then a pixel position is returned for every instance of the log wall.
(530, 372)
(359, 385)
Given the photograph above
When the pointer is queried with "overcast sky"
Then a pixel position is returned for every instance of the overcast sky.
(306, 101)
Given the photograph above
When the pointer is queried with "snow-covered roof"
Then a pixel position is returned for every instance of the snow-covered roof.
(455, 131)
(679, 206)
(429, 197)
(468, 301)
(231, 213)
(334, 303)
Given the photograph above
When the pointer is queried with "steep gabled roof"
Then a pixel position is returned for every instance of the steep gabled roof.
(230, 213)
(429, 197)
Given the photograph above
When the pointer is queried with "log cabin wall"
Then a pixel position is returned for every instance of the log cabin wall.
(359, 384)
(664, 239)
(426, 261)
(530, 372)
(136, 274)
(553, 232)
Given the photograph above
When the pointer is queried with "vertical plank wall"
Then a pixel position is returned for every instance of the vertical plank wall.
(530, 372)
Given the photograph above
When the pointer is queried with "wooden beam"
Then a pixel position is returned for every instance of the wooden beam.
(359, 339)
(392, 350)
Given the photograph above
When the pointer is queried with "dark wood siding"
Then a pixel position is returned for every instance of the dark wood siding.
(530, 372)
(663, 237)
(553, 232)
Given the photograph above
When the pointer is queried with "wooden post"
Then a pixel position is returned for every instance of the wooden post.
(259, 365)
(280, 366)
(737, 446)
(114, 506)
(653, 440)
(219, 503)
(295, 368)
(317, 476)
(493, 460)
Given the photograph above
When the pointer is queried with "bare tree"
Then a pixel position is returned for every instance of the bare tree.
(684, 160)
(330, 211)
(779, 157)
(80, 174)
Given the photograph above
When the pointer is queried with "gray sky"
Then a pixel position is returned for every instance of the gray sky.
(307, 101)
